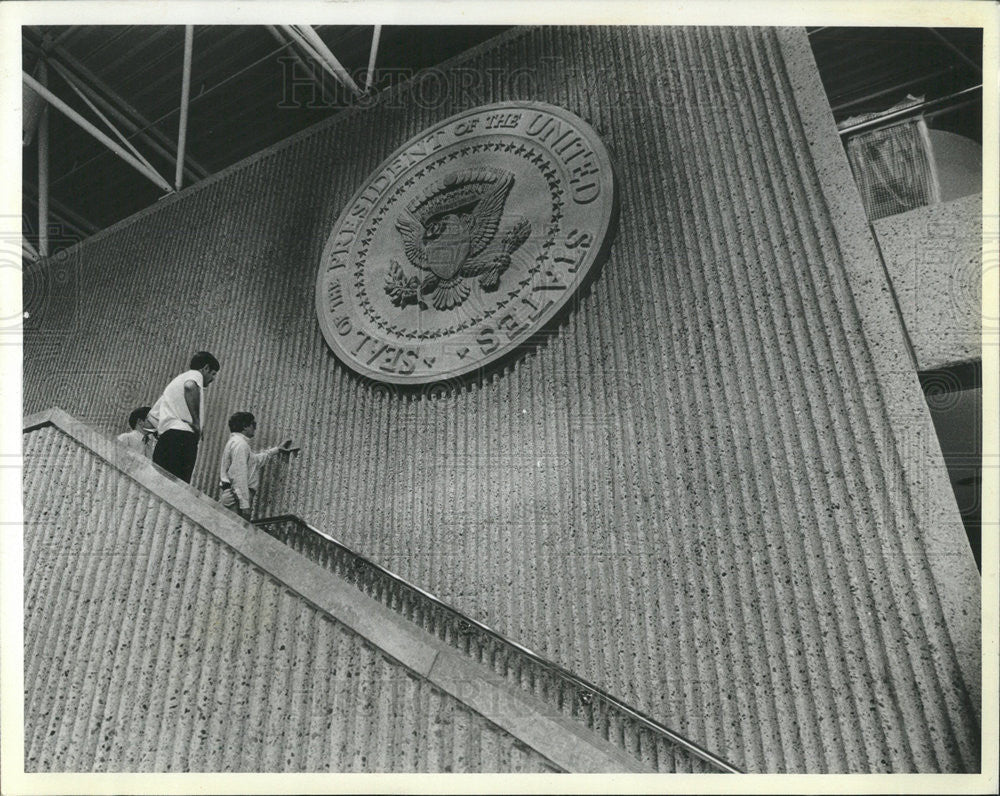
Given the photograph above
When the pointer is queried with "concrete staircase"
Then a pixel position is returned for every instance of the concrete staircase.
(164, 633)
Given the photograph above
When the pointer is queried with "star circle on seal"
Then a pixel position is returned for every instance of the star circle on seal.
(465, 242)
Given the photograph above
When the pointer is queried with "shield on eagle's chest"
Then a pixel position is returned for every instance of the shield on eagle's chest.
(470, 238)
(446, 254)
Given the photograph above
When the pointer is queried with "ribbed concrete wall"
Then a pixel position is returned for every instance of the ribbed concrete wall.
(711, 491)
(152, 646)
(934, 256)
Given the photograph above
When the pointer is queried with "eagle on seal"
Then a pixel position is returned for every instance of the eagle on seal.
(449, 231)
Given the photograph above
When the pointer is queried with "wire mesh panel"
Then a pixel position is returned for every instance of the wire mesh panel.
(894, 168)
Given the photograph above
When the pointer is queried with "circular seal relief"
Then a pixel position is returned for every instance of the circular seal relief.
(465, 242)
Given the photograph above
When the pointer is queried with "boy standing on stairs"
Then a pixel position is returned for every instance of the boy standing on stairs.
(239, 470)
(142, 437)
(179, 413)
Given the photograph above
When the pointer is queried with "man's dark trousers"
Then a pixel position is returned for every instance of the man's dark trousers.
(176, 452)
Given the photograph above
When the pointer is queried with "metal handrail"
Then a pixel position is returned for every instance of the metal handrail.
(585, 686)
(909, 110)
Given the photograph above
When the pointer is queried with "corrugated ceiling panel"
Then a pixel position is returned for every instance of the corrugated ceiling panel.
(151, 646)
(710, 491)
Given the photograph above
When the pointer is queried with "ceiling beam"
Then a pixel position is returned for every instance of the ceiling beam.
(143, 39)
(891, 90)
(372, 54)
(201, 97)
(28, 251)
(128, 124)
(71, 218)
(910, 110)
(31, 109)
(321, 53)
(286, 43)
(73, 83)
(64, 37)
(320, 46)
(90, 128)
(185, 96)
(141, 123)
(43, 168)
(64, 227)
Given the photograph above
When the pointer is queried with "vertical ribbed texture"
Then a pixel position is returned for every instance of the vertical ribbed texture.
(561, 692)
(151, 646)
(690, 494)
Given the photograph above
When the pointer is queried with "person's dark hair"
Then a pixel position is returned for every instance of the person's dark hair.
(240, 421)
(202, 358)
(137, 415)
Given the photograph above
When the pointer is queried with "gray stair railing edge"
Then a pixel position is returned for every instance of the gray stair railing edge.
(588, 691)
(373, 620)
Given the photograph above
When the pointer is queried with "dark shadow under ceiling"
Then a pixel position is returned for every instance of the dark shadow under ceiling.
(248, 91)
(240, 104)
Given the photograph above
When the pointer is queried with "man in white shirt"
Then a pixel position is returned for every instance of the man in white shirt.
(180, 412)
(239, 469)
(142, 437)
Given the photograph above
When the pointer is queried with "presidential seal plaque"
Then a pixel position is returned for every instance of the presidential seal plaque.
(464, 243)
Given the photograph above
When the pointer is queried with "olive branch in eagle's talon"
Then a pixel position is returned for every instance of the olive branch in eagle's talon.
(516, 235)
(401, 291)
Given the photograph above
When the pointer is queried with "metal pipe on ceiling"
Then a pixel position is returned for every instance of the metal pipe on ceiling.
(376, 34)
(136, 38)
(90, 128)
(199, 98)
(43, 168)
(286, 44)
(123, 108)
(892, 89)
(904, 112)
(185, 96)
(72, 82)
(28, 251)
(67, 218)
(67, 230)
(310, 52)
(31, 110)
(63, 37)
(111, 110)
(320, 46)
(314, 46)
